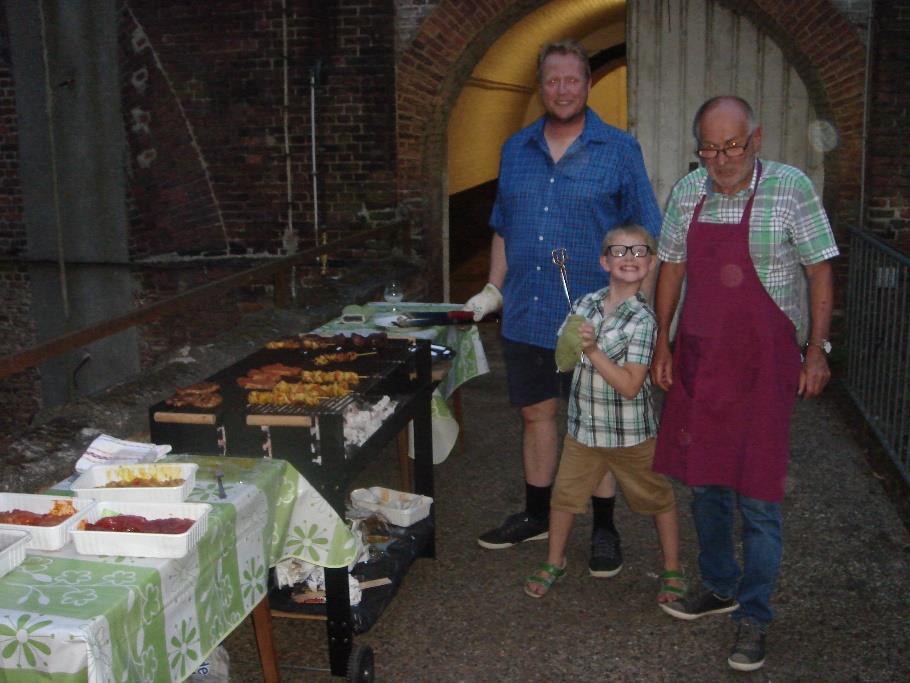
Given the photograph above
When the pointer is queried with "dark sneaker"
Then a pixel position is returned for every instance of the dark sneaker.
(697, 605)
(517, 528)
(606, 554)
(749, 651)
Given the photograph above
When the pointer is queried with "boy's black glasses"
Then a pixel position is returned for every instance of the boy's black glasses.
(638, 250)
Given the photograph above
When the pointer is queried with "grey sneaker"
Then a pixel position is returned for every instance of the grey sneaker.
(749, 652)
(697, 605)
(606, 554)
(517, 528)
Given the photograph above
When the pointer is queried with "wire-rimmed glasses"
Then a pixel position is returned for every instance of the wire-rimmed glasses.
(731, 150)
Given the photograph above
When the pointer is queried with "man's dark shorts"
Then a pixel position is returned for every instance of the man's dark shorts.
(532, 374)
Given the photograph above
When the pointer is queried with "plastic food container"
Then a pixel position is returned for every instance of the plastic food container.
(12, 550)
(128, 544)
(398, 507)
(91, 484)
(43, 537)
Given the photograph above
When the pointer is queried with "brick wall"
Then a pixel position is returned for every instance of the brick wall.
(19, 393)
(856, 12)
(12, 231)
(204, 115)
(888, 170)
(204, 110)
(356, 123)
(409, 14)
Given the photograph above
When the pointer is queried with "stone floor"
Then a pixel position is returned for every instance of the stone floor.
(842, 603)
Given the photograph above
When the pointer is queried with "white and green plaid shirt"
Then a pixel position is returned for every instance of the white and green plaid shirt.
(788, 228)
(598, 414)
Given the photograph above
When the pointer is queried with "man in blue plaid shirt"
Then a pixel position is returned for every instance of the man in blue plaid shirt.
(564, 182)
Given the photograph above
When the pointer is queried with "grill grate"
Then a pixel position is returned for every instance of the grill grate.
(329, 406)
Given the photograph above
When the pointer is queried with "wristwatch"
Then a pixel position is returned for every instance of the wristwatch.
(824, 345)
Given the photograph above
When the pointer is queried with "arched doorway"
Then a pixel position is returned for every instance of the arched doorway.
(440, 63)
(499, 98)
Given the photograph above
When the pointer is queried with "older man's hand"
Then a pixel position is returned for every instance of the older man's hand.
(487, 300)
(814, 374)
(662, 365)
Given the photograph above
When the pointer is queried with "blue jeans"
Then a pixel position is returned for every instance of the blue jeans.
(712, 510)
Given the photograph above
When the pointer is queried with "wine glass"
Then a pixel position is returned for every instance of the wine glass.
(393, 293)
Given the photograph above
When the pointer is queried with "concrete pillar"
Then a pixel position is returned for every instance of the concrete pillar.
(72, 168)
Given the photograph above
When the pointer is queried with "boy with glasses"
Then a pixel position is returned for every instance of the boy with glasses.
(607, 340)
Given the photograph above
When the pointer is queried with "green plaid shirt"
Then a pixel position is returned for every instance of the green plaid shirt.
(598, 414)
(788, 228)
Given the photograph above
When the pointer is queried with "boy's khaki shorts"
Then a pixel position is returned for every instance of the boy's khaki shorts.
(581, 469)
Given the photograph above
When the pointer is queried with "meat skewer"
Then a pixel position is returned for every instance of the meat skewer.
(329, 376)
(341, 357)
(288, 393)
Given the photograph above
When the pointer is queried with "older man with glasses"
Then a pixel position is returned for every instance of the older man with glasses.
(746, 234)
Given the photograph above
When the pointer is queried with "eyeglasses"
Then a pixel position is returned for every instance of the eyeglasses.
(731, 151)
(620, 250)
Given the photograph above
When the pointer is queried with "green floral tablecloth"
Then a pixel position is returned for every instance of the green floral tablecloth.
(71, 617)
(470, 360)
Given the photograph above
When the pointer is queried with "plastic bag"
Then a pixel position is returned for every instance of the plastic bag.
(215, 668)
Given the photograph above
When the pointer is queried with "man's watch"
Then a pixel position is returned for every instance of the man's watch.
(824, 345)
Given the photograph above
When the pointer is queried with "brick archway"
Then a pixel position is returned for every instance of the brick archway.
(819, 41)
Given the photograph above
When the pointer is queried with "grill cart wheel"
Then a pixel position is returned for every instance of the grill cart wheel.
(360, 664)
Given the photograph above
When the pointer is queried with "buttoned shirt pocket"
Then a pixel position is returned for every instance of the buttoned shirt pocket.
(614, 343)
(589, 188)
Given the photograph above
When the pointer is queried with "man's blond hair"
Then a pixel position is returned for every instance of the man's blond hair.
(564, 47)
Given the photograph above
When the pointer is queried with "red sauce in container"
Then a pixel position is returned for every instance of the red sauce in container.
(141, 525)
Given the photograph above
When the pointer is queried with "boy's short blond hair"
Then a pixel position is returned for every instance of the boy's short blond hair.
(632, 229)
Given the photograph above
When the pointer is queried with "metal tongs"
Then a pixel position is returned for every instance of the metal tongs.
(560, 258)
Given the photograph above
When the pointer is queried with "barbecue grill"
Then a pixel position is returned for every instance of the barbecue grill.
(311, 438)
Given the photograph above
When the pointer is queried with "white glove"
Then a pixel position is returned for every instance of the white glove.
(487, 300)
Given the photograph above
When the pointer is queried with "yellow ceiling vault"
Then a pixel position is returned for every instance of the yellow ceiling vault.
(501, 95)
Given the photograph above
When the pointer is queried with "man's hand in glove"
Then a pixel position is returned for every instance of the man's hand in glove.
(569, 344)
(487, 300)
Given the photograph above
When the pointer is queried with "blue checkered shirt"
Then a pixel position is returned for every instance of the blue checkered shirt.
(599, 416)
(599, 182)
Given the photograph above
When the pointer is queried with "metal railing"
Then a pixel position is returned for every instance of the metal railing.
(278, 271)
(878, 342)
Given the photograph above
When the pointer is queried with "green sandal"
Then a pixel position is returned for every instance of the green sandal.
(553, 574)
(667, 589)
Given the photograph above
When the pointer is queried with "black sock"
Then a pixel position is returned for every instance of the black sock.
(603, 512)
(537, 501)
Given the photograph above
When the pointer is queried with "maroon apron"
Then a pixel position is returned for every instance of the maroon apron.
(726, 418)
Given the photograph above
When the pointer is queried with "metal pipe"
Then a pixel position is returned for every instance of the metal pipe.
(313, 173)
(867, 80)
(49, 108)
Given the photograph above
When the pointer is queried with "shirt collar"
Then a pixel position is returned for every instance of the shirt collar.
(593, 131)
(635, 301)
